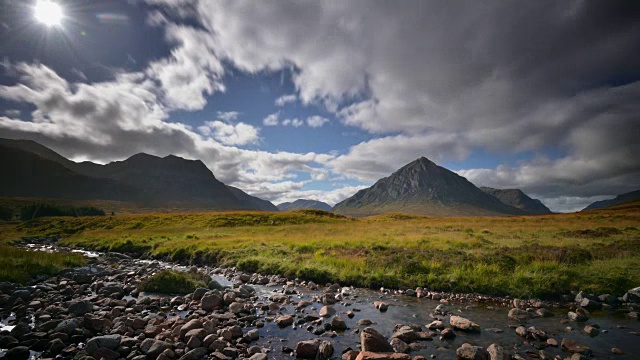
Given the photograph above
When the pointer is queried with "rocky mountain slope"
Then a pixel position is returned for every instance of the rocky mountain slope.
(422, 187)
(33, 170)
(622, 198)
(518, 199)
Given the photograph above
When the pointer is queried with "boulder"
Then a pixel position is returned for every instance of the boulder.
(195, 354)
(211, 301)
(199, 293)
(67, 326)
(573, 347)
(399, 346)
(325, 350)
(307, 349)
(591, 330)
(153, 348)
(406, 334)
(460, 323)
(17, 353)
(367, 355)
(78, 308)
(191, 325)
(518, 314)
(469, 352)
(497, 352)
(338, 324)
(327, 311)
(111, 342)
(284, 321)
(373, 341)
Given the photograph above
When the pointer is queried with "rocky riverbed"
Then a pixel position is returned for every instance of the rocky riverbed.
(98, 312)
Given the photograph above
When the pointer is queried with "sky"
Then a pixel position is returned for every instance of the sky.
(319, 99)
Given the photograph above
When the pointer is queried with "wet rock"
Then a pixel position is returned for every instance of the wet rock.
(111, 342)
(258, 356)
(21, 329)
(194, 354)
(399, 346)
(579, 315)
(7, 342)
(381, 305)
(327, 311)
(215, 285)
(17, 353)
(325, 350)
(199, 293)
(284, 321)
(617, 351)
(367, 355)
(350, 355)
(211, 302)
(608, 299)
(460, 323)
(436, 325)
(447, 334)
(552, 342)
(78, 308)
(338, 324)
(106, 354)
(364, 322)
(591, 330)
(497, 352)
(307, 349)
(372, 340)
(406, 334)
(469, 352)
(67, 326)
(24, 295)
(542, 312)
(518, 314)
(191, 325)
(590, 304)
(573, 347)
(153, 348)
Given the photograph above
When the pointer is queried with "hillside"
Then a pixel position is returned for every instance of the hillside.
(304, 204)
(518, 199)
(422, 187)
(35, 171)
(620, 199)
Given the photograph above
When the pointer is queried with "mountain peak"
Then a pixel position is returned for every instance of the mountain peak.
(422, 187)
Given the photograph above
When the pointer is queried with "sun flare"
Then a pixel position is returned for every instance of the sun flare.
(48, 12)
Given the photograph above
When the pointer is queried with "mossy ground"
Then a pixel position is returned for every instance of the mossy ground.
(174, 282)
(20, 266)
(520, 256)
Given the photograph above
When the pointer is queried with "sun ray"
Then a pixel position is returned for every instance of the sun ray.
(48, 13)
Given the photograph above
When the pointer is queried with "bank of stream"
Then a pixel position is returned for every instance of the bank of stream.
(251, 316)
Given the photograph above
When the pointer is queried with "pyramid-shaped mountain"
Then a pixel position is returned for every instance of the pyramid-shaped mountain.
(517, 198)
(33, 170)
(422, 187)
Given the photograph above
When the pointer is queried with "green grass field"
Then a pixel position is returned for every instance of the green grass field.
(20, 266)
(520, 256)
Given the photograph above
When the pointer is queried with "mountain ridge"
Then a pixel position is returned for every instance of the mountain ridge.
(300, 204)
(517, 198)
(619, 199)
(141, 177)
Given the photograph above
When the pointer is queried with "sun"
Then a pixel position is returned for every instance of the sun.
(48, 13)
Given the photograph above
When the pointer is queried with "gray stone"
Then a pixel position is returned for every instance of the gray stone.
(111, 342)
(519, 314)
(399, 346)
(195, 354)
(468, 352)
(211, 302)
(337, 323)
(17, 353)
(199, 293)
(327, 311)
(67, 326)
(406, 334)
(80, 307)
(284, 321)
(373, 341)
(463, 324)
(307, 349)
(591, 330)
(325, 350)
(153, 348)
(497, 352)
(574, 347)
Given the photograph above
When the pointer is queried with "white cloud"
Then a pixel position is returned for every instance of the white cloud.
(317, 121)
(227, 116)
(295, 122)
(229, 134)
(271, 119)
(285, 99)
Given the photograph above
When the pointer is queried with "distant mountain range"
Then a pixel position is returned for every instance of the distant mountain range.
(422, 187)
(304, 204)
(622, 198)
(518, 199)
(33, 170)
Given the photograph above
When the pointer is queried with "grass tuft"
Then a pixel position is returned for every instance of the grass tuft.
(174, 282)
(20, 266)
